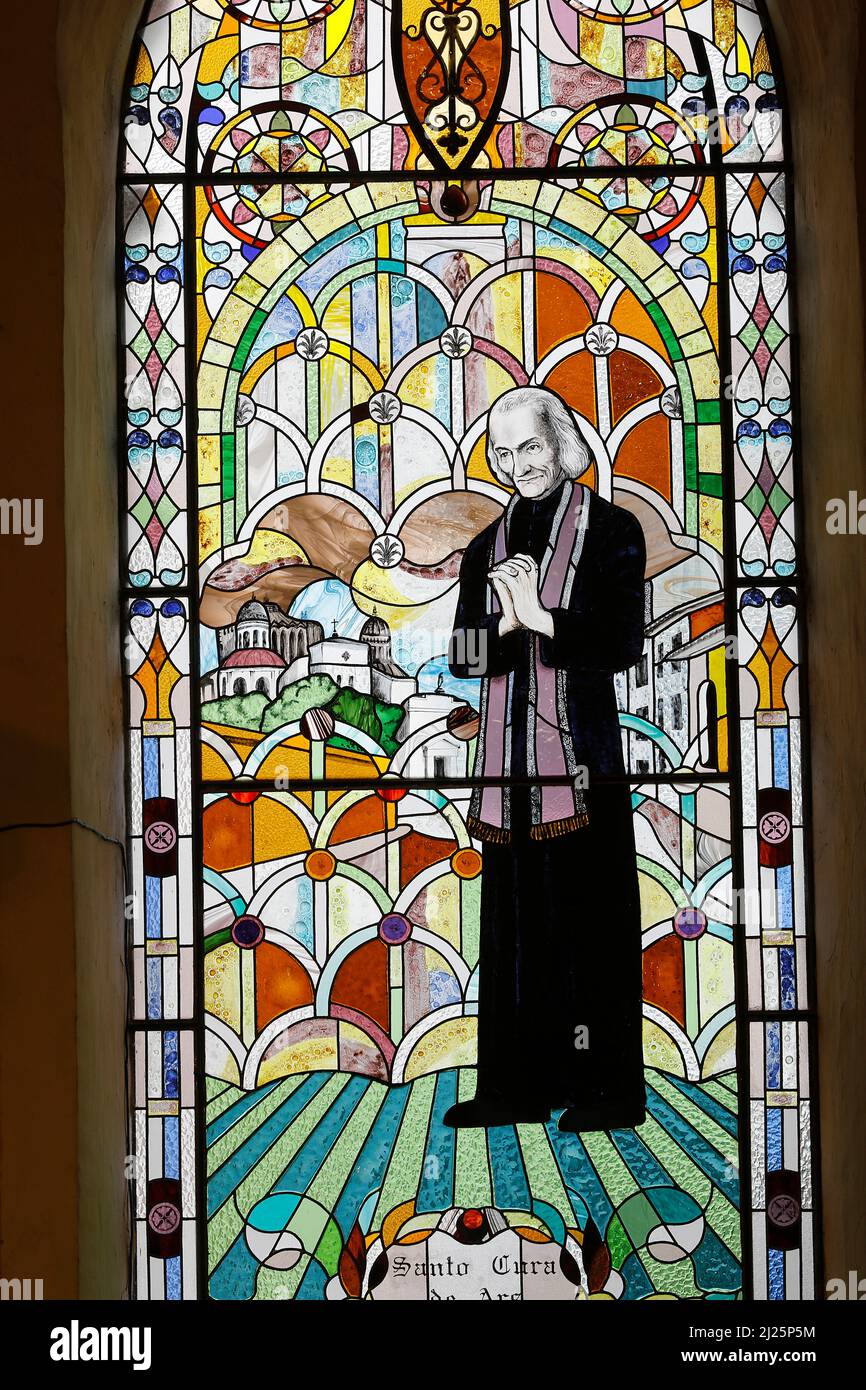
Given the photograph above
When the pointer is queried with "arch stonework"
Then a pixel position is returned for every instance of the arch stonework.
(821, 62)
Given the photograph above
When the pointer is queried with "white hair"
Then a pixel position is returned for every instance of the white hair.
(558, 422)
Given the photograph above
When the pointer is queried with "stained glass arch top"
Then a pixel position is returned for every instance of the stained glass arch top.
(225, 87)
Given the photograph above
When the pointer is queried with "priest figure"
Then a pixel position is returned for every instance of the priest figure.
(551, 606)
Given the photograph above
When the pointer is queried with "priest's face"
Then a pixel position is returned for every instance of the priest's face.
(525, 451)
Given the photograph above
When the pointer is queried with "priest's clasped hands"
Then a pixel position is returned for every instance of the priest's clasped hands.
(515, 583)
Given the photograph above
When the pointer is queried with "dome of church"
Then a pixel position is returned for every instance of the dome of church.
(374, 629)
(252, 612)
(250, 657)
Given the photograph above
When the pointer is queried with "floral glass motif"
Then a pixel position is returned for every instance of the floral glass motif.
(348, 229)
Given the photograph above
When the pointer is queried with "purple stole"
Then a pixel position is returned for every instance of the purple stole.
(555, 810)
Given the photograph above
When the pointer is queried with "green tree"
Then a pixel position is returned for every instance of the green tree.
(373, 717)
(236, 711)
(311, 692)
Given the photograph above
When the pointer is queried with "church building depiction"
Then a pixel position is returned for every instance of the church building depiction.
(266, 650)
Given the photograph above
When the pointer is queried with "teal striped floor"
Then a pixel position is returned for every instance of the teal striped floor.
(358, 1149)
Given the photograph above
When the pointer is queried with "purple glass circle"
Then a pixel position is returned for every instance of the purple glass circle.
(395, 929)
(690, 923)
(247, 932)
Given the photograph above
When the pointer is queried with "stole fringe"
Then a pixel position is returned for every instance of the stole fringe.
(483, 830)
(549, 830)
(554, 829)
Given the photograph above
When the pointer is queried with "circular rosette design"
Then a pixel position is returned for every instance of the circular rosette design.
(270, 149)
(312, 344)
(387, 551)
(601, 340)
(632, 146)
(456, 342)
(385, 407)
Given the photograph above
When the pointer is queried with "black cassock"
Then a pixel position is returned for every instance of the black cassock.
(560, 945)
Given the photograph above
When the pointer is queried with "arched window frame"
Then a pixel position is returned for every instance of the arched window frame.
(785, 1033)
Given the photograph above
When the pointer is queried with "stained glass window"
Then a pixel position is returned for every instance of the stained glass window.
(347, 231)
